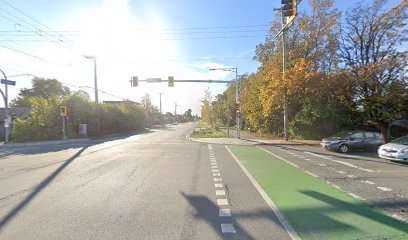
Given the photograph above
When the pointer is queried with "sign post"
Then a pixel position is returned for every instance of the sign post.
(7, 121)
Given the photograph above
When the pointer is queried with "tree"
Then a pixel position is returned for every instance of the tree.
(43, 88)
(152, 113)
(371, 49)
(206, 109)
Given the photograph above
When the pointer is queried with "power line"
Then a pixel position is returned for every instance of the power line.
(57, 38)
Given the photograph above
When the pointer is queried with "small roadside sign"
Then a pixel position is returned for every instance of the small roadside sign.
(8, 82)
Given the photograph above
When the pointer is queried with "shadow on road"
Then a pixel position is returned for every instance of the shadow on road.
(206, 210)
(9, 216)
(56, 146)
(360, 209)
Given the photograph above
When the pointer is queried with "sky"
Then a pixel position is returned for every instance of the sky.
(144, 38)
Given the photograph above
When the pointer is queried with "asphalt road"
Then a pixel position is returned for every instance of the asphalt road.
(380, 183)
(154, 185)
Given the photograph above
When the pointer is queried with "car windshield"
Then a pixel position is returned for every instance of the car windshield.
(341, 135)
(401, 140)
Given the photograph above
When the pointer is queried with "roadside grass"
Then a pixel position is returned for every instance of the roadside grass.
(215, 134)
(207, 131)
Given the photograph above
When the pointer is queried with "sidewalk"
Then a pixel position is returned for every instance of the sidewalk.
(253, 141)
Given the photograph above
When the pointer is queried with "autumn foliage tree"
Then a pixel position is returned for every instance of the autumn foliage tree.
(372, 49)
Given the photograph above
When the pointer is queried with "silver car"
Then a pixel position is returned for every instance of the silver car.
(396, 150)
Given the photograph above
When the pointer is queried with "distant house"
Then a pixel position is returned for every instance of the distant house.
(17, 112)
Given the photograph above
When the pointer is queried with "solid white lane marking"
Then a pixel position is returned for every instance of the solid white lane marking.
(220, 192)
(217, 179)
(351, 176)
(343, 163)
(311, 174)
(385, 189)
(216, 174)
(214, 166)
(218, 185)
(356, 196)
(341, 172)
(368, 182)
(289, 229)
(308, 159)
(222, 202)
(224, 212)
(227, 228)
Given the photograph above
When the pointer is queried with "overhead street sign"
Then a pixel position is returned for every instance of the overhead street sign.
(8, 82)
(154, 80)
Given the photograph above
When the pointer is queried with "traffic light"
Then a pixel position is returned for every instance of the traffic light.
(135, 81)
(171, 81)
(63, 111)
(289, 8)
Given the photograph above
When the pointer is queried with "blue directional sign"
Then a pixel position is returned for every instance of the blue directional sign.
(5, 81)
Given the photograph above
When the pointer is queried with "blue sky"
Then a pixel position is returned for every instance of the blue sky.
(145, 38)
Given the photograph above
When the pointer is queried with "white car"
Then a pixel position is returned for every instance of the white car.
(396, 150)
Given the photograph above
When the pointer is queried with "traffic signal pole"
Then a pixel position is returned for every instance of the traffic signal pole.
(289, 13)
(285, 89)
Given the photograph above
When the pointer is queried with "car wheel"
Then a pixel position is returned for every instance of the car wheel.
(344, 148)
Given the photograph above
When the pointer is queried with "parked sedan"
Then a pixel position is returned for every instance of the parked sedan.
(352, 140)
(396, 150)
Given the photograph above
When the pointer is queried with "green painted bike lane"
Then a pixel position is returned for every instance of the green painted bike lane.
(315, 209)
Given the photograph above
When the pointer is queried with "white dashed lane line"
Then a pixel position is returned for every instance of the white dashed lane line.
(224, 212)
(220, 193)
(385, 189)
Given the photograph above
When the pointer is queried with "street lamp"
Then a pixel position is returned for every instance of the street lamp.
(236, 95)
(95, 77)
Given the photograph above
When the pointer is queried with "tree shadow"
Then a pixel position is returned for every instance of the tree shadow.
(60, 145)
(206, 210)
(361, 209)
(11, 214)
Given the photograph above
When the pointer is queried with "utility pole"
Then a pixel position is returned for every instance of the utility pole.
(289, 13)
(238, 118)
(175, 111)
(285, 93)
(161, 122)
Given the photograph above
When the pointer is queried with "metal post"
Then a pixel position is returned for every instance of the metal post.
(64, 136)
(228, 126)
(175, 112)
(96, 81)
(161, 122)
(285, 97)
(6, 121)
(237, 102)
